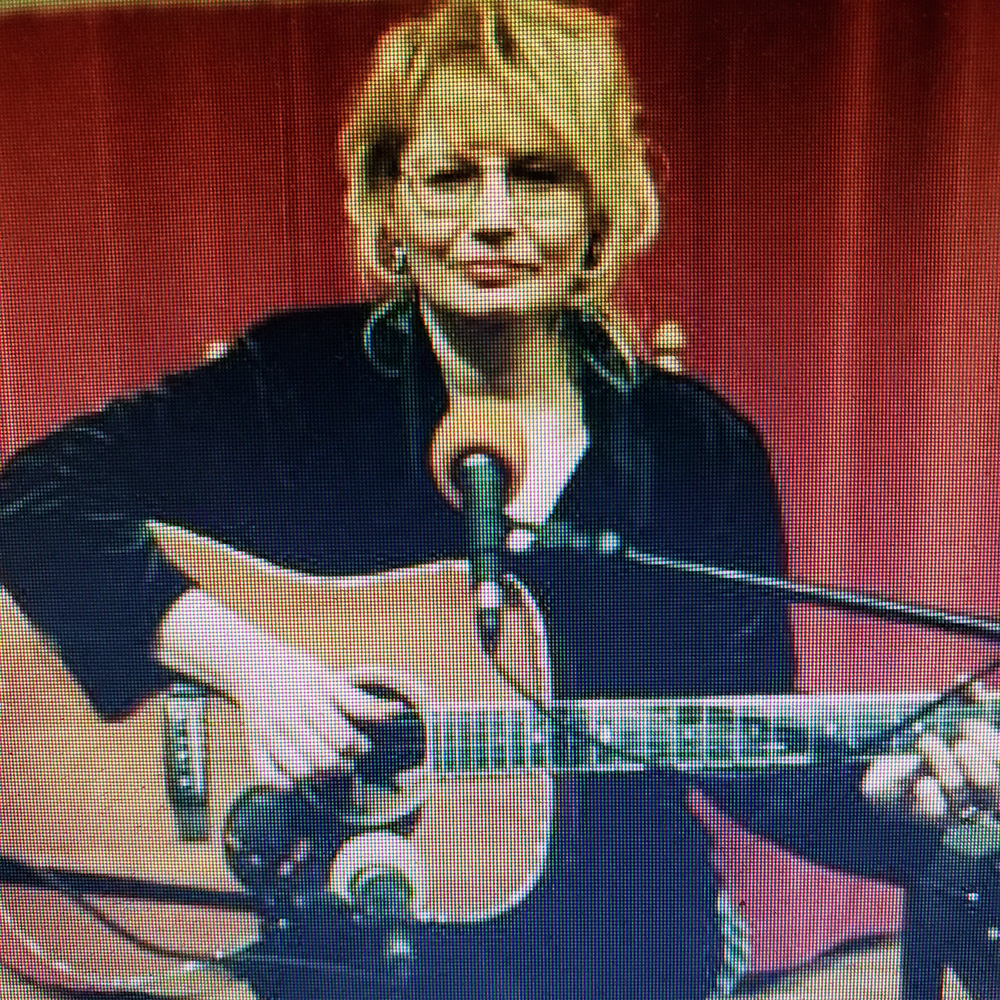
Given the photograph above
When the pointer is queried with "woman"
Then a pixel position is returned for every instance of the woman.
(497, 185)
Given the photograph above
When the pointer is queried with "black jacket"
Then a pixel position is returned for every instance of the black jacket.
(304, 445)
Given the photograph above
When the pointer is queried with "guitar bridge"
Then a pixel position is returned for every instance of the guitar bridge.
(185, 759)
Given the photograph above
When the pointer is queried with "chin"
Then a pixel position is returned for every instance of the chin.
(518, 298)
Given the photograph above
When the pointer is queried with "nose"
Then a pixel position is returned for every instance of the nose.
(493, 221)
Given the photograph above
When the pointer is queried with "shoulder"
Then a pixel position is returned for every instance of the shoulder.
(302, 356)
(321, 336)
(687, 418)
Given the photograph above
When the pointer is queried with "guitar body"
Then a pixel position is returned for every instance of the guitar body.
(83, 794)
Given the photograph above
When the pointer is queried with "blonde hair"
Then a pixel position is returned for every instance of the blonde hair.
(564, 62)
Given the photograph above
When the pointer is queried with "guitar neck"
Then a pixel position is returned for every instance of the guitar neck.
(686, 734)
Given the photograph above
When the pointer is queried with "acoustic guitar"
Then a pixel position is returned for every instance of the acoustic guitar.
(476, 800)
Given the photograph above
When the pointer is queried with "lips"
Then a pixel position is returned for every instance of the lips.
(493, 273)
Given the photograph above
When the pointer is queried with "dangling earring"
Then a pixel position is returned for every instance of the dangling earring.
(399, 261)
(593, 254)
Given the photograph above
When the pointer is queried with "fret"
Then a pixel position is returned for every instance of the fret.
(459, 717)
(470, 738)
(464, 741)
(435, 748)
(662, 723)
(518, 739)
(903, 741)
(582, 747)
(479, 758)
(448, 741)
(718, 723)
(848, 729)
(602, 731)
(775, 749)
(892, 716)
(462, 744)
(742, 748)
(633, 727)
(757, 735)
(467, 741)
(538, 735)
(622, 732)
(566, 750)
(559, 737)
(498, 745)
(689, 737)
(830, 721)
(602, 752)
(486, 738)
(703, 737)
(833, 726)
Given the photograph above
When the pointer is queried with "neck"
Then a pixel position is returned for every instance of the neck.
(510, 357)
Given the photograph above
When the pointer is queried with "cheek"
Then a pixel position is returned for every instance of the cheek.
(419, 231)
(561, 239)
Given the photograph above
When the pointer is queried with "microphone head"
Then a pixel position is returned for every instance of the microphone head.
(471, 429)
(381, 874)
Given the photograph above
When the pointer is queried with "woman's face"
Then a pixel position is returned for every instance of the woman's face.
(494, 220)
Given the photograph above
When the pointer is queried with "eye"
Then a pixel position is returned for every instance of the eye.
(539, 171)
(449, 175)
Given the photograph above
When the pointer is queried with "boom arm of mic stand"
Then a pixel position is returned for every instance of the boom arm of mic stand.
(922, 962)
(561, 535)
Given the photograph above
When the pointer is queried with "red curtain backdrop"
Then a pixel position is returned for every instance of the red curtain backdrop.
(830, 176)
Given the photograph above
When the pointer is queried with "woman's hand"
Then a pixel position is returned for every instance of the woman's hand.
(941, 783)
(298, 717)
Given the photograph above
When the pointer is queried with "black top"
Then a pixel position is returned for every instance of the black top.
(303, 445)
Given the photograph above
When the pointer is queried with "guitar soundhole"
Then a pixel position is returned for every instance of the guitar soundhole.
(398, 744)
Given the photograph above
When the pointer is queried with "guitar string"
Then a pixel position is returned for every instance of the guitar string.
(191, 961)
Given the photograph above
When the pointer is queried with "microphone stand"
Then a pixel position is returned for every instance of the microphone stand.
(923, 958)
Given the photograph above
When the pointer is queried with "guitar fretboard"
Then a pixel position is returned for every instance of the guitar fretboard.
(683, 734)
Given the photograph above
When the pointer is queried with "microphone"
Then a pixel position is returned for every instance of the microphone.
(482, 484)
(381, 876)
(476, 460)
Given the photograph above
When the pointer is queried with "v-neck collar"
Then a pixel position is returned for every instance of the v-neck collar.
(425, 399)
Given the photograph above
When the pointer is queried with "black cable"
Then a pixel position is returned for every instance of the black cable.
(49, 879)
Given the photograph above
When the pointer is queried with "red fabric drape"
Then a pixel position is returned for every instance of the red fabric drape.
(831, 228)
